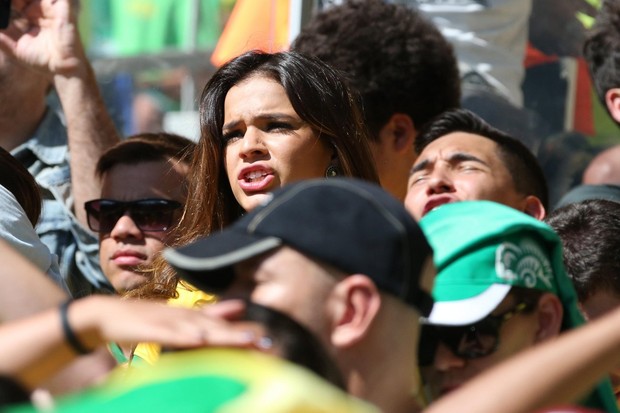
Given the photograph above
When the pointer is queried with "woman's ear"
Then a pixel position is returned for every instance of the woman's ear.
(360, 301)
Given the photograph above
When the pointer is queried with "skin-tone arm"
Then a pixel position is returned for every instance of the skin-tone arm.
(556, 372)
(52, 45)
(98, 320)
(24, 290)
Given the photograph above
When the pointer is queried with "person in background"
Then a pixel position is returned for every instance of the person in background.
(363, 307)
(500, 289)
(403, 68)
(143, 191)
(600, 49)
(589, 234)
(19, 213)
(462, 158)
(41, 51)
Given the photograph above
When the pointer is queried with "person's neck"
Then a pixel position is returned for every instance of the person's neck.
(385, 379)
(19, 119)
(381, 391)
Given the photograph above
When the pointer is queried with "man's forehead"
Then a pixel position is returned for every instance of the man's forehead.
(464, 142)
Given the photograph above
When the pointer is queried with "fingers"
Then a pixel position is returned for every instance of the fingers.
(199, 329)
(227, 309)
(213, 325)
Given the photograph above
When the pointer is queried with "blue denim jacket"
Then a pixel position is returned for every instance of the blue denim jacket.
(46, 156)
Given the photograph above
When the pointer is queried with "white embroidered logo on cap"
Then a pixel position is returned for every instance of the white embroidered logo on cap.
(525, 262)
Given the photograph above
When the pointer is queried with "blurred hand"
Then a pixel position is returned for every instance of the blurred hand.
(43, 34)
(99, 320)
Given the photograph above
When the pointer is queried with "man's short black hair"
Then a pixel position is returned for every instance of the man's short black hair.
(602, 49)
(591, 244)
(396, 59)
(522, 165)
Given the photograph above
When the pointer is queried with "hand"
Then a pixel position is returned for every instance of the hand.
(43, 34)
(98, 320)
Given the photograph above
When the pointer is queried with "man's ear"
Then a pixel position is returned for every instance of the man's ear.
(534, 207)
(360, 301)
(549, 315)
(612, 100)
(399, 133)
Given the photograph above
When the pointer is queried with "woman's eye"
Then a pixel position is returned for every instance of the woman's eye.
(279, 126)
(231, 136)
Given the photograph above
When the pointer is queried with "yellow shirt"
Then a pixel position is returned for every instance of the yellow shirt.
(187, 297)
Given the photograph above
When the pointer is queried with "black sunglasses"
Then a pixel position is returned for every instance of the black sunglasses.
(470, 341)
(150, 215)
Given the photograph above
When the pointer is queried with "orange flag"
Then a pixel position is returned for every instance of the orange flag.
(253, 24)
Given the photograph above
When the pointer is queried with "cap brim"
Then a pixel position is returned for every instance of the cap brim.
(470, 310)
(207, 263)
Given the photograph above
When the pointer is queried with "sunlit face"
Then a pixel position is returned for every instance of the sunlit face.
(290, 282)
(126, 249)
(450, 372)
(459, 167)
(268, 144)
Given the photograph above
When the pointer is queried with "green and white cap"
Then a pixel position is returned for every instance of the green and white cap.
(481, 250)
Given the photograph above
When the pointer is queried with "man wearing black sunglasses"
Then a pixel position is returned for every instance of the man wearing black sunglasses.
(143, 191)
(500, 289)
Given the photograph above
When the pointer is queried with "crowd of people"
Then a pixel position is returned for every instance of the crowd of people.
(346, 235)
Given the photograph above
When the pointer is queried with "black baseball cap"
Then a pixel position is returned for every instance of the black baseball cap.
(352, 225)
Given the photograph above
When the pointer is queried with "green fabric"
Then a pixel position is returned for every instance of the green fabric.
(481, 242)
(518, 261)
(146, 26)
(130, 27)
(119, 356)
(212, 380)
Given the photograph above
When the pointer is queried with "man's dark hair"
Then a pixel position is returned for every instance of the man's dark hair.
(591, 244)
(395, 58)
(602, 49)
(522, 165)
(297, 343)
(146, 147)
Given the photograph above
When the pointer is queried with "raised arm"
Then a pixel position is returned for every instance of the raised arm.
(24, 289)
(50, 42)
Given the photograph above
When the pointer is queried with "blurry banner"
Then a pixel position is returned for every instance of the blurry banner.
(133, 27)
(253, 24)
(215, 380)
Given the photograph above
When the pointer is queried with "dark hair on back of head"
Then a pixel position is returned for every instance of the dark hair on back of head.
(602, 49)
(591, 244)
(146, 147)
(15, 177)
(297, 344)
(522, 165)
(396, 59)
